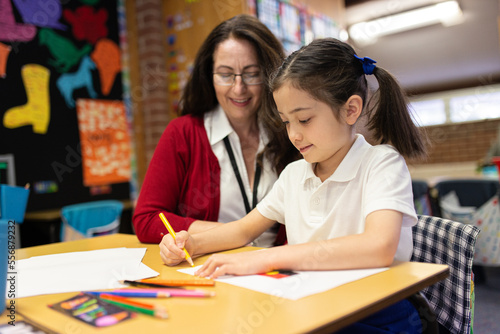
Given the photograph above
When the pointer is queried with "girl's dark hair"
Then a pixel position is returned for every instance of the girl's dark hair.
(198, 97)
(328, 71)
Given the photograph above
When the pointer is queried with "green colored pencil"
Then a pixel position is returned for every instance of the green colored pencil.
(158, 312)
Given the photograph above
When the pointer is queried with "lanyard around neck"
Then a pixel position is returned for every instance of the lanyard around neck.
(240, 181)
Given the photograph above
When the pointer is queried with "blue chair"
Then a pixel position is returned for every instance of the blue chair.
(470, 192)
(13, 202)
(421, 198)
(87, 220)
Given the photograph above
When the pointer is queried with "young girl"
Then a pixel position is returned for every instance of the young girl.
(347, 204)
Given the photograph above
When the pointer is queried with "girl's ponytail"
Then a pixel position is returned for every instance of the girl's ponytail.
(390, 119)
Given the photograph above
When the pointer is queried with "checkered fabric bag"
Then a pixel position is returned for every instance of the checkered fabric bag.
(443, 241)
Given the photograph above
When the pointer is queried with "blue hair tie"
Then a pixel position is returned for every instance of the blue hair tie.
(368, 64)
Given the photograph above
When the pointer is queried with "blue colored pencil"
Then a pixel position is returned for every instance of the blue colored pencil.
(137, 294)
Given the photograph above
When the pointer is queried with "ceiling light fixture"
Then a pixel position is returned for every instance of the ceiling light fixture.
(447, 12)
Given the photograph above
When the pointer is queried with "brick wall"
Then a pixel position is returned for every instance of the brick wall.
(461, 142)
(152, 68)
(145, 29)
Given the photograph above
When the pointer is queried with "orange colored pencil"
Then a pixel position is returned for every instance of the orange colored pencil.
(180, 282)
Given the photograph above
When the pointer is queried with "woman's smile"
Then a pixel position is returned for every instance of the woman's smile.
(240, 102)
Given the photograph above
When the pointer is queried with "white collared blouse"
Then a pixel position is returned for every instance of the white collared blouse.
(370, 178)
(231, 200)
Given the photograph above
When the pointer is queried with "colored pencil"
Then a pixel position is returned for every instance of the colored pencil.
(140, 284)
(156, 312)
(179, 282)
(136, 293)
(172, 233)
(172, 292)
(127, 301)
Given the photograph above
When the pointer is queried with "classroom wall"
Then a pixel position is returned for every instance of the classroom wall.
(457, 150)
(461, 142)
(451, 143)
(147, 76)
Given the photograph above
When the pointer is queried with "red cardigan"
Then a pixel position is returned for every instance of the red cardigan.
(182, 181)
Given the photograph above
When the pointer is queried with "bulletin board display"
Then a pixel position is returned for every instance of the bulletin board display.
(62, 114)
(294, 23)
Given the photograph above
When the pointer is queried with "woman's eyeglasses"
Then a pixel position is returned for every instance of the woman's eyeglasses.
(227, 79)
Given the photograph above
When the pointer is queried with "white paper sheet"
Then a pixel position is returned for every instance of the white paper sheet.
(304, 283)
(80, 271)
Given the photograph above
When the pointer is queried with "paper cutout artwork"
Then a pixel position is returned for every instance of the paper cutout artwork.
(82, 78)
(105, 141)
(65, 53)
(87, 24)
(10, 30)
(4, 54)
(41, 13)
(107, 57)
(36, 111)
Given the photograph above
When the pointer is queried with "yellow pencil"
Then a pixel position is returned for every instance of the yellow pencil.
(172, 233)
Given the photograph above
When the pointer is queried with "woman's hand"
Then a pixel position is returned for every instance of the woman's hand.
(246, 263)
(171, 251)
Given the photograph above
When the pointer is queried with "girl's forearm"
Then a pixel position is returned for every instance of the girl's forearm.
(334, 254)
(231, 235)
(202, 225)
(375, 247)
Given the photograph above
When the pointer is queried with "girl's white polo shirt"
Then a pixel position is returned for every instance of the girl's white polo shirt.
(370, 178)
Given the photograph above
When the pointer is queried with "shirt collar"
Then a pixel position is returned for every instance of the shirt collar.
(349, 166)
(218, 127)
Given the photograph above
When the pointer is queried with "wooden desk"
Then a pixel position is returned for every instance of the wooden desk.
(234, 309)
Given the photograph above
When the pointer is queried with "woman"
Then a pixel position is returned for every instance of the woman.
(215, 162)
